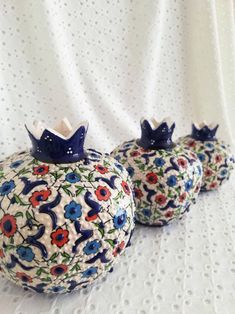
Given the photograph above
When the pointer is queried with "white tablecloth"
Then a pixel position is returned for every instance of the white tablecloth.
(186, 268)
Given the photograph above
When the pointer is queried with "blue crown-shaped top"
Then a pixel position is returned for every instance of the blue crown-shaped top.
(156, 135)
(203, 132)
(63, 144)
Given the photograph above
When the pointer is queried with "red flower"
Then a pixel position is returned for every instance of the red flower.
(102, 193)
(101, 169)
(208, 172)
(41, 170)
(24, 277)
(151, 178)
(182, 197)
(135, 153)
(191, 143)
(160, 199)
(169, 214)
(213, 185)
(138, 193)
(182, 163)
(58, 270)
(8, 225)
(2, 253)
(119, 248)
(218, 158)
(197, 188)
(60, 237)
(126, 188)
(39, 196)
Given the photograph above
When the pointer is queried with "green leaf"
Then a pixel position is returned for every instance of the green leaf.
(28, 215)
(111, 242)
(90, 176)
(137, 183)
(64, 169)
(79, 189)
(46, 279)
(19, 214)
(9, 247)
(101, 230)
(111, 231)
(23, 171)
(66, 190)
(56, 175)
(39, 271)
(76, 267)
(53, 257)
(64, 254)
(18, 200)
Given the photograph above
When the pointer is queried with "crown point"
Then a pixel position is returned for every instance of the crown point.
(204, 131)
(62, 144)
(156, 135)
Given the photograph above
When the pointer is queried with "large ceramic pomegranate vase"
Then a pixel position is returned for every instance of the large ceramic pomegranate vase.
(215, 154)
(66, 214)
(166, 176)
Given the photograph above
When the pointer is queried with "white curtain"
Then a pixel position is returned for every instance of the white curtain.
(113, 62)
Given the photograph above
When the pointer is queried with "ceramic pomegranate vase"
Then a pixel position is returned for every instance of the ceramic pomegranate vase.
(214, 154)
(66, 214)
(166, 177)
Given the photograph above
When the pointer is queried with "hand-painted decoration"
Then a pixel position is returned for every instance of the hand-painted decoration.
(66, 214)
(215, 155)
(166, 177)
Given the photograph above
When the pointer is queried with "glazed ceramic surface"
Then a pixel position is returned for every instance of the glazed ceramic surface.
(62, 225)
(166, 181)
(215, 155)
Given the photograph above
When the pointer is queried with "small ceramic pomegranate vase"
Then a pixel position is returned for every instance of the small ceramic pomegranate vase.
(66, 214)
(215, 155)
(166, 177)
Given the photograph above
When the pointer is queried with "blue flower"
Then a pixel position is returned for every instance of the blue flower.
(127, 145)
(16, 163)
(172, 180)
(7, 187)
(159, 162)
(92, 247)
(223, 172)
(130, 170)
(89, 272)
(118, 157)
(119, 166)
(56, 289)
(188, 185)
(209, 145)
(25, 253)
(72, 177)
(199, 168)
(201, 156)
(73, 210)
(147, 212)
(119, 219)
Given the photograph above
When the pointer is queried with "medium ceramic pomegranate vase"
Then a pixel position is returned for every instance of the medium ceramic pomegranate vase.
(215, 155)
(66, 214)
(166, 177)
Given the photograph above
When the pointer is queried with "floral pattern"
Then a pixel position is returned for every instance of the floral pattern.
(216, 159)
(63, 225)
(165, 182)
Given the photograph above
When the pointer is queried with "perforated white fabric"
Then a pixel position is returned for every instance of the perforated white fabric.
(111, 63)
